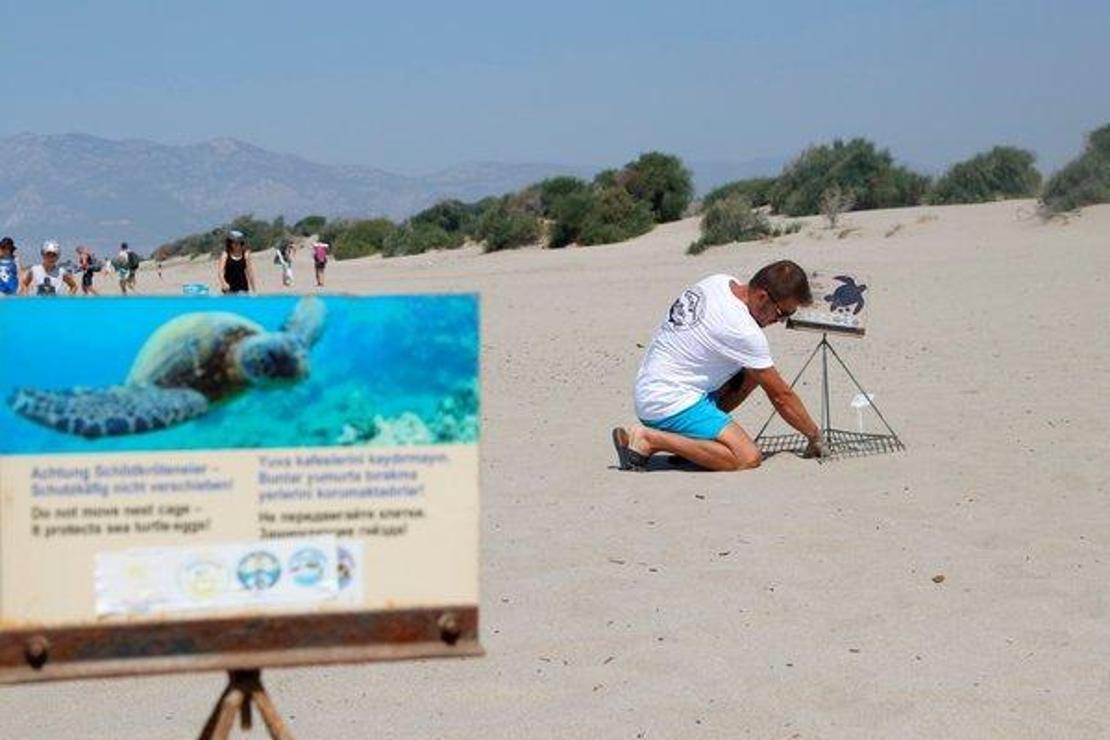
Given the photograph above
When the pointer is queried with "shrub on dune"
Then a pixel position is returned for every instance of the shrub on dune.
(358, 238)
(415, 238)
(1085, 180)
(555, 189)
(856, 166)
(1003, 172)
(507, 224)
(756, 189)
(260, 235)
(732, 219)
(661, 181)
(453, 216)
(310, 225)
(568, 217)
(614, 216)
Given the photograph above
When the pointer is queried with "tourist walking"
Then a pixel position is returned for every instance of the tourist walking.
(121, 264)
(283, 257)
(235, 272)
(48, 278)
(88, 265)
(320, 253)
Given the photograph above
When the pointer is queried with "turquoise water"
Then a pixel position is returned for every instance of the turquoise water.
(387, 370)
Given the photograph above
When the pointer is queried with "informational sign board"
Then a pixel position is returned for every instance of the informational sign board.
(839, 304)
(194, 289)
(236, 482)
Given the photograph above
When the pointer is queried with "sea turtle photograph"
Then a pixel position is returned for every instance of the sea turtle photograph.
(199, 372)
(187, 364)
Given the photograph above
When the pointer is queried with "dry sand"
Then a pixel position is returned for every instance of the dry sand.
(793, 601)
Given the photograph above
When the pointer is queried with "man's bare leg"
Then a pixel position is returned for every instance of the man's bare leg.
(733, 449)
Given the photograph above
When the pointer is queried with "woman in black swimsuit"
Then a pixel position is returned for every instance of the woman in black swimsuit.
(235, 272)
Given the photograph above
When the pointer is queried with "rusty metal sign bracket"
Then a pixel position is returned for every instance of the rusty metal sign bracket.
(236, 643)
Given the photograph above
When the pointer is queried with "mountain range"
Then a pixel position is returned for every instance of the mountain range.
(81, 188)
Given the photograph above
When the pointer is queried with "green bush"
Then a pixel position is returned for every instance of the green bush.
(507, 224)
(756, 189)
(856, 166)
(415, 238)
(309, 225)
(555, 189)
(733, 219)
(453, 216)
(661, 181)
(259, 234)
(354, 239)
(569, 215)
(614, 217)
(1085, 180)
(1003, 172)
(608, 178)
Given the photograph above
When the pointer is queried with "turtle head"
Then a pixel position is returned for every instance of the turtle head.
(272, 359)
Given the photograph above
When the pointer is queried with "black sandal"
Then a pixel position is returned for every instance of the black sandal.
(627, 458)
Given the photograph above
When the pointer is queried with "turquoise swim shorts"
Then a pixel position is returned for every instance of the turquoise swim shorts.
(703, 420)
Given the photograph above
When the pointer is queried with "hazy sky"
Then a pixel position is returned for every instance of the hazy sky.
(414, 85)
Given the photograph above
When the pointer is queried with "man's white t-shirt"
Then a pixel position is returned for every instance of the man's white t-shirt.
(707, 337)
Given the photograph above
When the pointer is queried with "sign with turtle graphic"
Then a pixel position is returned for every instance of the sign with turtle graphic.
(212, 482)
(839, 304)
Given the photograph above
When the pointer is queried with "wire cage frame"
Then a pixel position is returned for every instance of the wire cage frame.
(840, 443)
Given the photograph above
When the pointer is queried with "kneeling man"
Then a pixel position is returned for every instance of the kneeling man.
(709, 353)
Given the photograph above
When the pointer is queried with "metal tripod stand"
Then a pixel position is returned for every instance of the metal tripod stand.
(840, 442)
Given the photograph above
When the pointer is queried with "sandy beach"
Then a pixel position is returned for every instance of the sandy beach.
(793, 601)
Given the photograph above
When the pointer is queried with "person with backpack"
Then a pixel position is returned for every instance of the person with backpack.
(88, 264)
(48, 277)
(121, 264)
(9, 267)
(320, 251)
(133, 261)
(283, 257)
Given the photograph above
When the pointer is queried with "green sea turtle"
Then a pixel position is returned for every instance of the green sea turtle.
(187, 364)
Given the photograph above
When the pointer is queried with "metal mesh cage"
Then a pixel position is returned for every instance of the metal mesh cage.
(841, 443)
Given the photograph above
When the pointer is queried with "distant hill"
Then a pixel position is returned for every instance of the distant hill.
(76, 187)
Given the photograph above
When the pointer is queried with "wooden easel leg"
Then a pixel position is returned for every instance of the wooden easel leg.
(245, 715)
(243, 687)
(219, 723)
(274, 723)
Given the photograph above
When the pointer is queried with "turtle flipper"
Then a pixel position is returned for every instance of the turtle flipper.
(307, 320)
(859, 306)
(108, 412)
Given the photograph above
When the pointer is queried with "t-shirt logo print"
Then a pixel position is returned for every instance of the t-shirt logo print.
(688, 311)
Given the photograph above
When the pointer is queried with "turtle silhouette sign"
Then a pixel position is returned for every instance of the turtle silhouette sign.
(840, 301)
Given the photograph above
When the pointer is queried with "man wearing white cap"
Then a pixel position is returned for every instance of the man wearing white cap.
(47, 278)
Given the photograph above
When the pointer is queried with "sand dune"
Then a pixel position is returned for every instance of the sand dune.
(796, 600)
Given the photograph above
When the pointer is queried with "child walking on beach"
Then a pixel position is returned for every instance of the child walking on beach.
(284, 258)
(9, 267)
